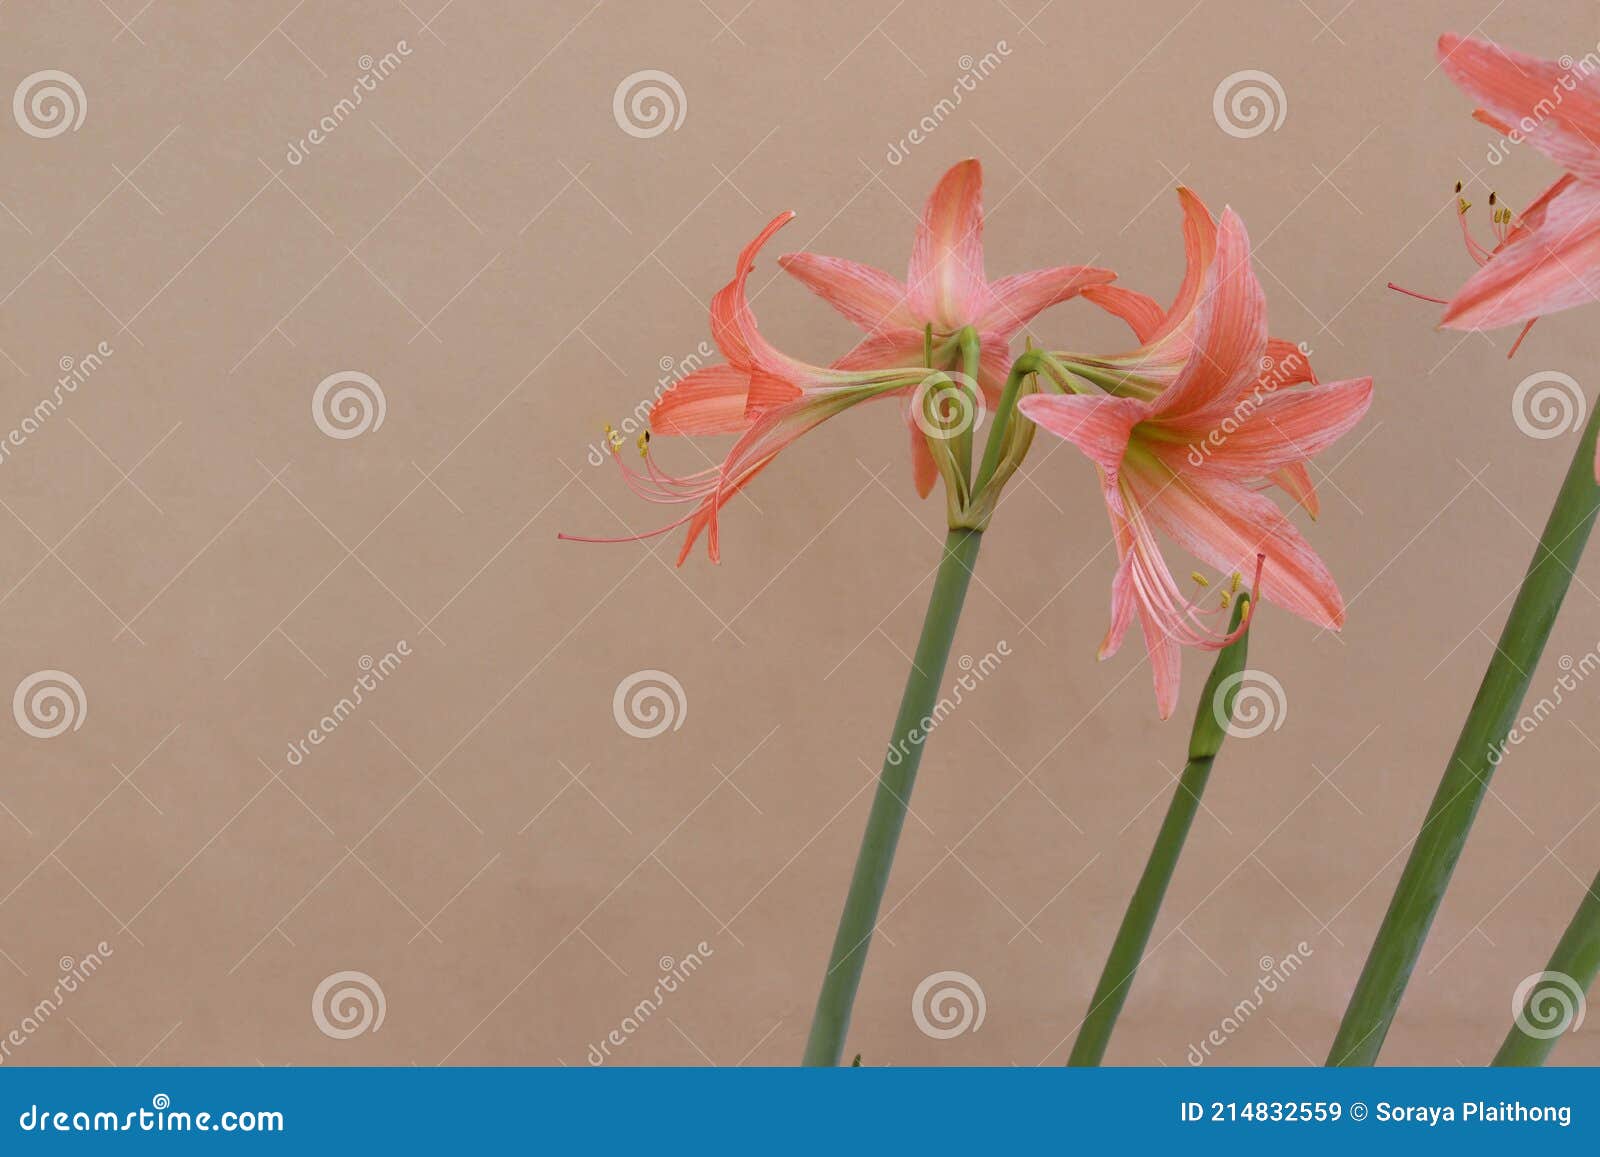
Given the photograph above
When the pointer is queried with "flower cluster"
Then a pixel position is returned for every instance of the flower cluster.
(1204, 373)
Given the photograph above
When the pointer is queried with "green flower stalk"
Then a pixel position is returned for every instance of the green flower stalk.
(1211, 722)
(1554, 998)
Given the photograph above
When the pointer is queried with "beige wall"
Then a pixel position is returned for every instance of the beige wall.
(482, 239)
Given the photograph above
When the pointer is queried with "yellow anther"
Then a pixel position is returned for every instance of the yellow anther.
(1227, 599)
(1234, 585)
(644, 444)
(1199, 578)
(1462, 204)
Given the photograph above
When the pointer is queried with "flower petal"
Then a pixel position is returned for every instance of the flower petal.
(1257, 437)
(1142, 312)
(1230, 329)
(1551, 265)
(1295, 481)
(1553, 108)
(1199, 249)
(945, 281)
(1016, 300)
(1226, 525)
(1097, 424)
(708, 401)
(867, 296)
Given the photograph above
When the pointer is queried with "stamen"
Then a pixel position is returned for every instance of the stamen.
(1200, 578)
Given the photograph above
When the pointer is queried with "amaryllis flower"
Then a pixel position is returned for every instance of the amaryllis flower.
(945, 289)
(1548, 258)
(762, 394)
(1188, 461)
(770, 398)
(1167, 340)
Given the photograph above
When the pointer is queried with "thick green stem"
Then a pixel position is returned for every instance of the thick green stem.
(1555, 998)
(1466, 779)
(1026, 364)
(1127, 950)
(889, 806)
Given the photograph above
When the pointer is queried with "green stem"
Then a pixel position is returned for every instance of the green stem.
(1466, 779)
(1026, 364)
(1574, 964)
(889, 806)
(1127, 950)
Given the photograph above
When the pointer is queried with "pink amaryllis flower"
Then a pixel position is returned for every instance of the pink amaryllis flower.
(770, 399)
(1188, 461)
(1548, 258)
(945, 289)
(1167, 340)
